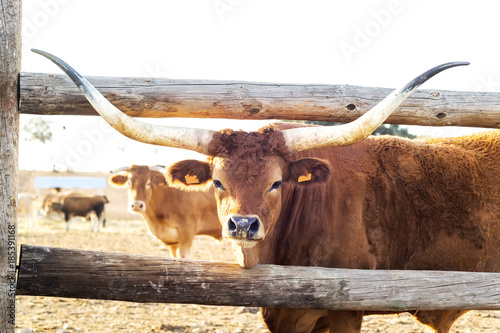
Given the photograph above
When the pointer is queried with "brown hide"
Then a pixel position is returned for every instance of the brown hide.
(389, 203)
(173, 216)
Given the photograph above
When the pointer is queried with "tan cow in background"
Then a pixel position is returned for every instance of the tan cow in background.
(173, 216)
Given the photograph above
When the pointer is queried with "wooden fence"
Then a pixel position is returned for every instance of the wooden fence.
(51, 272)
(123, 277)
(10, 66)
(158, 98)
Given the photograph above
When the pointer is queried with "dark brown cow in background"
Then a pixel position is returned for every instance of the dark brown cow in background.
(84, 206)
(51, 201)
(174, 216)
(320, 196)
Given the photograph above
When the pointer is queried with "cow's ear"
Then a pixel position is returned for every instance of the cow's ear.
(189, 175)
(308, 171)
(118, 180)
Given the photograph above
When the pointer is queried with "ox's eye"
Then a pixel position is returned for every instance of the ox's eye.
(129, 183)
(218, 184)
(275, 186)
(148, 184)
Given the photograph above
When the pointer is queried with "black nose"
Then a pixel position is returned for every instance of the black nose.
(243, 227)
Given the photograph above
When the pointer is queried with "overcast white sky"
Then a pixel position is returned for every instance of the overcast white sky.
(381, 43)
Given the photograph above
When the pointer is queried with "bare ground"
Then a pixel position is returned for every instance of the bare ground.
(50, 314)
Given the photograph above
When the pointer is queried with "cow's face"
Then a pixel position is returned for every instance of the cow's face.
(249, 185)
(248, 196)
(140, 182)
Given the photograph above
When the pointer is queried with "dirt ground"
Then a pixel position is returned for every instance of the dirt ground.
(128, 234)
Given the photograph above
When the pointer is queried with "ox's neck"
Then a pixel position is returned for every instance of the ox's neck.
(317, 223)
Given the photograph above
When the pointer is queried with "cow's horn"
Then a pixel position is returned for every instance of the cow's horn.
(122, 169)
(158, 168)
(187, 138)
(299, 139)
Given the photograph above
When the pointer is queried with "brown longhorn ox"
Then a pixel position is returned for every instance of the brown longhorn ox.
(329, 196)
(173, 216)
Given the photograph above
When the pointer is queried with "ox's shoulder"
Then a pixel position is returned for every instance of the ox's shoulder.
(489, 138)
(465, 150)
(485, 142)
(492, 136)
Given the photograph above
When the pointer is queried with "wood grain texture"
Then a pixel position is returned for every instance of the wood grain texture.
(111, 276)
(159, 98)
(10, 66)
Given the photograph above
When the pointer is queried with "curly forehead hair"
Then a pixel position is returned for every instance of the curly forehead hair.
(248, 145)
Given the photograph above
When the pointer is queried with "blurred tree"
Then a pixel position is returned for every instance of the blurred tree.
(393, 130)
(38, 129)
(384, 129)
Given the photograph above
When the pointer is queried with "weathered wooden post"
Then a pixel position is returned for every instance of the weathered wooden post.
(10, 66)
(56, 272)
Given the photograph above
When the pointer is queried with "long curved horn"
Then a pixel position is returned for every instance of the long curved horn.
(122, 169)
(299, 139)
(179, 137)
(158, 168)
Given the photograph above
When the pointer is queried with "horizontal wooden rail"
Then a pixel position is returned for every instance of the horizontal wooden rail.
(70, 273)
(158, 98)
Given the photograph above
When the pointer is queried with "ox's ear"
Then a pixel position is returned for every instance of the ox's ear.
(308, 171)
(118, 180)
(189, 175)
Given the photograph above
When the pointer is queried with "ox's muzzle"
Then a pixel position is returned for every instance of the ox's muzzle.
(137, 206)
(245, 230)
